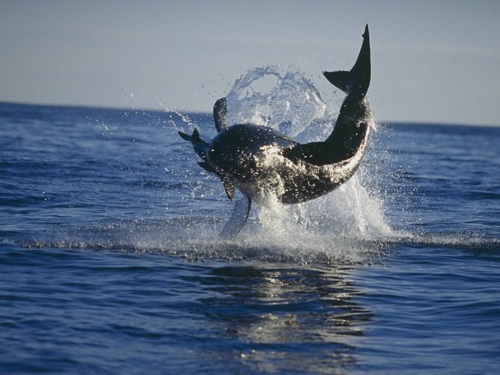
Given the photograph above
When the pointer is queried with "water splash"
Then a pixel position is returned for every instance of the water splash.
(347, 226)
(285, 101)
(289, 103)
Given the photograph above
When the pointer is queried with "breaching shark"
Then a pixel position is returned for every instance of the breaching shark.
(258, 160)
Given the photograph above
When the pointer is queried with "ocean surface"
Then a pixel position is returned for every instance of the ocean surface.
(110, 260)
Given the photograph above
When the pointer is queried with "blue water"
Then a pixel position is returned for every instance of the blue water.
(110, 261)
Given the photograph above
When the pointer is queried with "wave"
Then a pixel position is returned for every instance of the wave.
(346, 226)
(197, 238)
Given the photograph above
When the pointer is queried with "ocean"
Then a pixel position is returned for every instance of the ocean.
(110, 260)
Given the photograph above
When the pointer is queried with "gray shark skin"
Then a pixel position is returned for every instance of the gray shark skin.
(258, 160)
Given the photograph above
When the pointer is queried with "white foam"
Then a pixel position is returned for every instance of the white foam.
(347, 225)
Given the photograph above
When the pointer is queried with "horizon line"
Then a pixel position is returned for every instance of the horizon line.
(209, 113)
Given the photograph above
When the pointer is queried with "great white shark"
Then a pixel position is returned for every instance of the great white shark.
(258, 160)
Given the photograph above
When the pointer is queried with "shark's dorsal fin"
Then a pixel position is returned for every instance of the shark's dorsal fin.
(220, 114)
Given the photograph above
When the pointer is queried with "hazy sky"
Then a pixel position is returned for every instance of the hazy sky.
(432, 61)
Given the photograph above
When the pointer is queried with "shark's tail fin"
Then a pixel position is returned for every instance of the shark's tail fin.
(357, 80)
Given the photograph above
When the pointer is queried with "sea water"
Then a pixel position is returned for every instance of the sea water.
(110, 260)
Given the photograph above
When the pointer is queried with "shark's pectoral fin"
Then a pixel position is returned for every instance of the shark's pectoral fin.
(238, 218)
(195, 137)
(185, 136)
(199, 145)
(206, 166)
(228, 187)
